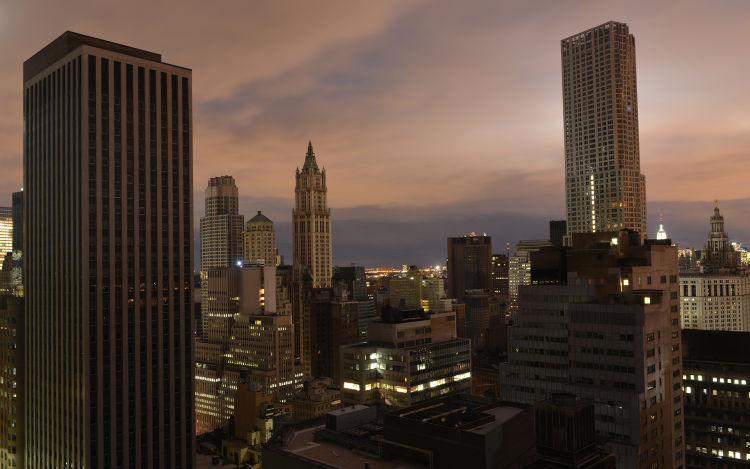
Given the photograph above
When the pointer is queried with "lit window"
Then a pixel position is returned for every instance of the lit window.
(352, 386)
(646, 300)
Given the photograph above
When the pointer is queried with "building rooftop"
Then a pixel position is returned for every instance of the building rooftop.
(349, 409)
(303, 445)
(68, 42)
(260, 218)
(464, 412)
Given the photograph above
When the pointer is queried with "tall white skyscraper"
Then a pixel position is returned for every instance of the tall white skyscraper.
(604, 187)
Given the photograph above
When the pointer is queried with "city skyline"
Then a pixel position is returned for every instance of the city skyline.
(395, 95)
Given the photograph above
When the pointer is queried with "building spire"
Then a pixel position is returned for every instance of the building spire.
(310, 162)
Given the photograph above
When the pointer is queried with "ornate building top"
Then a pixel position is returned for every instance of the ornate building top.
(718, 253)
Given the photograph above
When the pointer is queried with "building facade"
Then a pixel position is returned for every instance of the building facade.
(259, 241)
(221, 227)
(6, 233)
(230, 295)
(717, 398)
(108, 238)
(716, 295)
(12, 382)
(519, 270)
(469, 264)
(609, 333)
(311, 223)
(604, 187)
(405, 361)
(500, 275)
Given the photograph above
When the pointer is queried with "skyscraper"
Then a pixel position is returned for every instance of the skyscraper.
(6, 233)
(609, 332)
(469, 264)
(604, 187)
(311, 223)
(221, 227)
(260, 241)
(108, 257)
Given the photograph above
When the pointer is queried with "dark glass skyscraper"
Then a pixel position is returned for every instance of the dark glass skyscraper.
(108, 256)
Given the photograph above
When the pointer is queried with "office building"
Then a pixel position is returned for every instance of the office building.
(284, 285)
(259, 241)
(433, 295)
(406, 291)
(477, 317)
(311, 223)
(353, 277)
(317, 398)
(16, 280)
(221, 227)
(6, 233)
(716, 296)
(604, 187)
(715, 376)
(608, 333)
(12, 382)
(519, 270)
(557, 231)
(108, 205)
(409, 357)
(465, 431)
(261, 350)
(566, 437)
(334, 321)
(231, 296)
(500, 275)
(469, 264)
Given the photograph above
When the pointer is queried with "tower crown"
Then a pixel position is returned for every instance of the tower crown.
(310, 163)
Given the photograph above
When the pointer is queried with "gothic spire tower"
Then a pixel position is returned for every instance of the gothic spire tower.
(311, 223)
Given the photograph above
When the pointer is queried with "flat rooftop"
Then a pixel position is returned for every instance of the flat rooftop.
(467, 413)
(349, 409)
(68, 42)
(303, 445)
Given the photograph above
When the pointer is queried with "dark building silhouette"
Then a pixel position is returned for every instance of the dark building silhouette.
(465, 431)
(557, 230)
(353, 277)
(108, 253)
(566, 435)
(716, 374)
(500, 275)
(469, 265)
(12, 381)
(17, 210)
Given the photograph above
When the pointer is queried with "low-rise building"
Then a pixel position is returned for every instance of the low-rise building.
(465, 431)
(410, 357)
(318, 397)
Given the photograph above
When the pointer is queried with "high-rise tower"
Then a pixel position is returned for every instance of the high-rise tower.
(108, 256)
(604, 187)
(221, 228)
(311, 222)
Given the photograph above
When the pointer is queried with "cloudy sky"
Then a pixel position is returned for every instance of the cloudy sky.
(432, 118)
